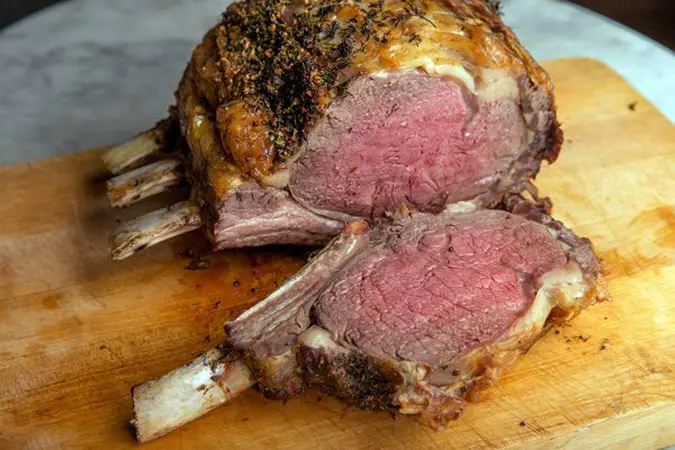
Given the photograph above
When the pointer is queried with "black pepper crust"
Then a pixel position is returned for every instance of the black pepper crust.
(353, 377)
(286, 59)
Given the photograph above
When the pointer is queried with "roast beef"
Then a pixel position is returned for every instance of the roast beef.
(411, 315)
(399, 133)
(295, 117)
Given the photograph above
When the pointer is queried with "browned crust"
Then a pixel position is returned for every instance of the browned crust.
(353, 377)
(262, 57)
(278, 377)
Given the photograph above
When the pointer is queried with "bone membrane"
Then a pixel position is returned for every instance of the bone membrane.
(133, 153)
(182, 395)
(144, 182)
(153, 228)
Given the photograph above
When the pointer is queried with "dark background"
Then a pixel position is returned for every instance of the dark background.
(655, 18)
(13, 10)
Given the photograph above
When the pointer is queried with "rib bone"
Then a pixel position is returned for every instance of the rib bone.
(181, 396)
(143, 182)
(134, 152)
(153, 228)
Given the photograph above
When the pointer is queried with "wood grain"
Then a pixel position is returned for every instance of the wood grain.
(77, 331)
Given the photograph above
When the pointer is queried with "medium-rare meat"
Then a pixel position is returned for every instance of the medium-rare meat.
(295, 117)
(398, 133)
(412, 315)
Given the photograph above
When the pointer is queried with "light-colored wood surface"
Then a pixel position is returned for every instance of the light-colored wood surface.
(77, 331)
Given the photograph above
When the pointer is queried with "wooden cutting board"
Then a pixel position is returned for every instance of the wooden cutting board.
(77, 331)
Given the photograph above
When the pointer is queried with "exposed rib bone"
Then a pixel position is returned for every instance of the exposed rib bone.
(134, 152)
(301, 289)
(153, 228)
(181, 396)
(148, 180)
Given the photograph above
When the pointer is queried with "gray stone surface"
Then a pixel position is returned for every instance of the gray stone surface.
(87, 73)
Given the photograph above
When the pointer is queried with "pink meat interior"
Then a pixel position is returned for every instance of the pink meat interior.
(443, 293)
(407, 138)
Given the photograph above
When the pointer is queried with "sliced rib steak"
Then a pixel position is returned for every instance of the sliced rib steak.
(412, 315)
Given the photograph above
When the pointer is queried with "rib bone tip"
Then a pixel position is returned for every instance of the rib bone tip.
(187, 393)
(134, 152)
(143, 182)
(153, 228)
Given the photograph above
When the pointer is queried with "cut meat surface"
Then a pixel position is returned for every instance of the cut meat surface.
(443, 292)
(254, 216)
(414, 315)
(343, 111)
(375, 163)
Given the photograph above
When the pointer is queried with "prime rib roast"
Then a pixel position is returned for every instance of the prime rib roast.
(400, 135)
(293, 118)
